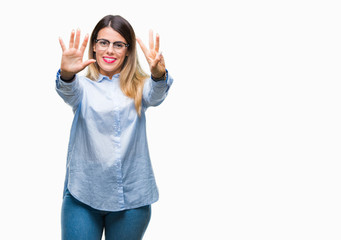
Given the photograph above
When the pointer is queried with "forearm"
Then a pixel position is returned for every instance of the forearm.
(156, 91)
(69, 90)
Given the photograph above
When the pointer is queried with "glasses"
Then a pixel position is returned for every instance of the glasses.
(103, 44)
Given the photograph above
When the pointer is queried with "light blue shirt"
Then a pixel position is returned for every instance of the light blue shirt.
(108, 164)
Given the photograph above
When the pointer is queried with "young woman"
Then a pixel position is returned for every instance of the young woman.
(109, 180)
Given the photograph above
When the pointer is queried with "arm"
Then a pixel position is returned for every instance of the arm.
(154, 92)
(156, 88)
(67, 82)
(70, 91)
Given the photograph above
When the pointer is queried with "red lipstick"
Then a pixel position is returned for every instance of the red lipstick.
(109, 59)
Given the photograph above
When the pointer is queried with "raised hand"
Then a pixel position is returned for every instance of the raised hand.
(72, 58)
(154, 58)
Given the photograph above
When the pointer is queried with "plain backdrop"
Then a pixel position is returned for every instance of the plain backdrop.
(247, 144)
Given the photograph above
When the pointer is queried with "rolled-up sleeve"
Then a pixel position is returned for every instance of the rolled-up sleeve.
(154, 93)
(70, 92)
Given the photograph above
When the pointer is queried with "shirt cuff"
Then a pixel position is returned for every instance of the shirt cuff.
(160, 79)
(60, 83)
(66, 81)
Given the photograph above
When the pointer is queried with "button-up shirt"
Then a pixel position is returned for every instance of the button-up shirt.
(108, 164)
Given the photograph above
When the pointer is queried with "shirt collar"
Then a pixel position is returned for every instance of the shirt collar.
(103, 77)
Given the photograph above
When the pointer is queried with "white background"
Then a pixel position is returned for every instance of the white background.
(247, 144)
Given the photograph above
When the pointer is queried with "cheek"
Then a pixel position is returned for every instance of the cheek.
(97, 57)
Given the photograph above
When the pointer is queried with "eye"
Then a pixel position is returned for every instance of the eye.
(118, 45)
(103, 43)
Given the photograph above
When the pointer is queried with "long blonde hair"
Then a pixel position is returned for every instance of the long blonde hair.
(132, 76)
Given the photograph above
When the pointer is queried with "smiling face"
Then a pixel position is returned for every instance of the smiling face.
(110, 60)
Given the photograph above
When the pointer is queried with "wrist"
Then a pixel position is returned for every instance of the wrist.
(159, 77)
(65, 76)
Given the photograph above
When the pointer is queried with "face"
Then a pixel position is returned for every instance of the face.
(110, 60)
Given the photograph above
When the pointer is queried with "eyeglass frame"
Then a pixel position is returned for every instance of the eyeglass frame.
(125, 44)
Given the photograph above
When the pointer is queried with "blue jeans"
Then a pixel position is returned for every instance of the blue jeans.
(81, 222)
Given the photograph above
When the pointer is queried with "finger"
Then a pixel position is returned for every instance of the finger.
(78, 38)
(151, 40)
(154, 62)
(162, 60)
(158, 61)
(88, 62)
(62, 44)
(85, 42)
(143, 47)
(72, 38)
(158, 57)
(157, 43)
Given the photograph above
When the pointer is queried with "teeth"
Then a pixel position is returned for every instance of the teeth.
(109, 59)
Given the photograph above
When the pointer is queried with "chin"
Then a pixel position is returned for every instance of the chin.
(109, 70)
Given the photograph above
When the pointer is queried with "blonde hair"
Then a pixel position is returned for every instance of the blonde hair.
(132, 76)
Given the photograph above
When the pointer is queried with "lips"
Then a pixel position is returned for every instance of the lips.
(109, 59)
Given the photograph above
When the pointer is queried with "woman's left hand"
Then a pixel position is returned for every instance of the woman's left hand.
(154, 58)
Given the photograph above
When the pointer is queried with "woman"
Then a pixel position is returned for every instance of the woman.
(109, 181)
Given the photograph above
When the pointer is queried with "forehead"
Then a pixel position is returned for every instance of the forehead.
(110, 34)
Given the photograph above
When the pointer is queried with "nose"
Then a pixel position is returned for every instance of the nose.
(110, 49)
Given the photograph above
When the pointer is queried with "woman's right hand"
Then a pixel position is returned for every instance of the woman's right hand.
(72, 58)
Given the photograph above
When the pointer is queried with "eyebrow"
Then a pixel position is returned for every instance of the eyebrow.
(109, 41)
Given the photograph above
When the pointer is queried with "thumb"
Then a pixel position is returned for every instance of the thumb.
(88, 62)
(158, 59)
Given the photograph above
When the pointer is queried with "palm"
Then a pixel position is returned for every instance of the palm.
(72, 60)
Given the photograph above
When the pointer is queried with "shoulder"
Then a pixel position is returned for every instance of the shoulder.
(86, 81)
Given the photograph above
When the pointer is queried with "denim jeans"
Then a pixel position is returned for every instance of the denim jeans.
(81, 222)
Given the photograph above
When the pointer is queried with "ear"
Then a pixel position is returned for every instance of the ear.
(94, 47)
